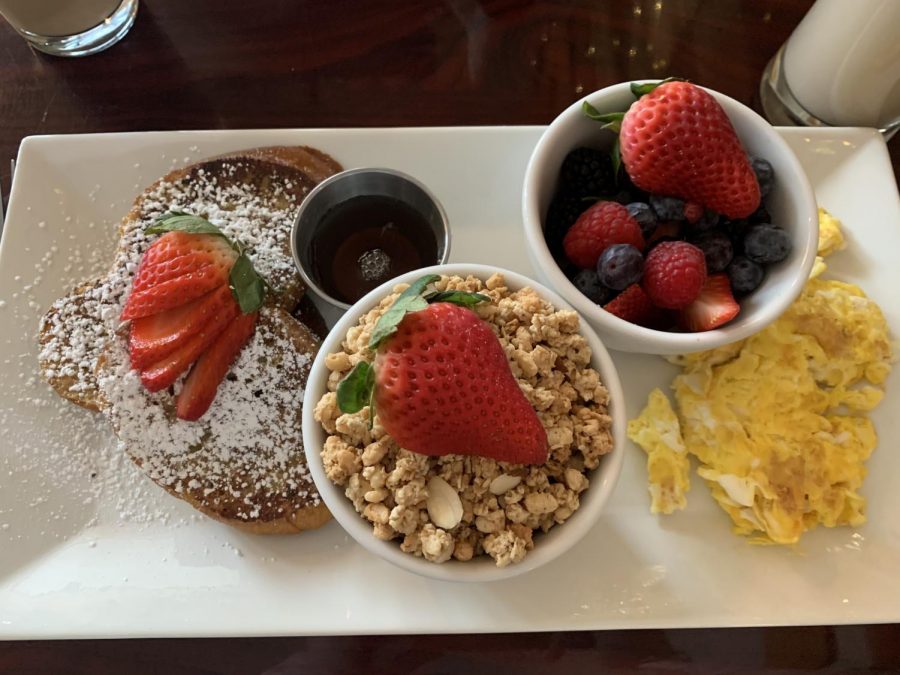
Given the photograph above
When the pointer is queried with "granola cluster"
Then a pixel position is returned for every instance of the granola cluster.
(503, 505)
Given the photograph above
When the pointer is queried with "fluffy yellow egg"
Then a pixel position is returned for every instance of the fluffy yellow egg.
(777, 421)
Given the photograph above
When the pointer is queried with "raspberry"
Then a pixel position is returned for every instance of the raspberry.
(598, 228)
(674, 274)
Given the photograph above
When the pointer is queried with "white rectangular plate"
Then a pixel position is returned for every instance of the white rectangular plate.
(89, 548)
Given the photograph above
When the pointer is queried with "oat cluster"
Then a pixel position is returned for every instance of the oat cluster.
(504, 505)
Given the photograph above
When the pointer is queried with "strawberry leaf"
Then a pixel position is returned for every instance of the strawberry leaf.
(183, 222)
(641, 88)
(248, 288)
(616, 156)
(611, 121)
(355, 391)
(461, 298)
(410, 300)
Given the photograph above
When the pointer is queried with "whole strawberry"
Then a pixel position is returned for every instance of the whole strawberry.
(678, 141)
(441, 383)
(598, 228)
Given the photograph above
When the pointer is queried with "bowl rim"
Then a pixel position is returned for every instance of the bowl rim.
(669, 342)
(603, 481)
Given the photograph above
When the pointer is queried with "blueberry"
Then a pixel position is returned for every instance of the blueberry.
(619, 266)
(745, 275)
(765, 174)
(717, 249)
(667, 208)
(645, 217)
(587, 172)
(766, 244)
(589, 284)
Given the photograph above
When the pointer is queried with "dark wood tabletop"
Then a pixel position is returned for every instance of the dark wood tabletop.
(231, 64)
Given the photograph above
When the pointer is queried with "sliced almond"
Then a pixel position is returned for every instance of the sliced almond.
(504, 483)
(444, 506)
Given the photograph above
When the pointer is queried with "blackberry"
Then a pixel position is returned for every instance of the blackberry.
(667, 208)
(766, 244)
(745, 275)
(717, 249)
(589, 284)
(645, 217)
(765, 174)
(562, 214)
(619, 266)
(587, 172)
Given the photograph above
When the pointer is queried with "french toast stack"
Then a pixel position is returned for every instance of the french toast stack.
(242, 462)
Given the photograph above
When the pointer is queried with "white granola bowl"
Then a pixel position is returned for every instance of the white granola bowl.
(791, 203)
(548, 546)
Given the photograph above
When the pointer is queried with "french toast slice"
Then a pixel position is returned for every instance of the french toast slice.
(253, 195)
(242, 462)
(71, 337)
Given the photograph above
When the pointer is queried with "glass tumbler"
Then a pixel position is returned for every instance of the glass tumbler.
(70, 27)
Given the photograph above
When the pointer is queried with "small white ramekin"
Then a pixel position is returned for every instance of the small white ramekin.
(547, 546)
(791, 203)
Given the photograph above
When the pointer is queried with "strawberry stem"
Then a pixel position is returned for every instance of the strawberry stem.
(641, 88)
(611, 121)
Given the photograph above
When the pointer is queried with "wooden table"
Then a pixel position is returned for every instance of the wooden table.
(219, 64)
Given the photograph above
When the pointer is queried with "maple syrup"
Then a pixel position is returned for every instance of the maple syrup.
(366, 240)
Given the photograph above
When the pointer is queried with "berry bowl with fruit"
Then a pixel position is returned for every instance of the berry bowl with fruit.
(463, 423)
(672, 217)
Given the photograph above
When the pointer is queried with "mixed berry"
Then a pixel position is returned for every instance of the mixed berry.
(671, 226)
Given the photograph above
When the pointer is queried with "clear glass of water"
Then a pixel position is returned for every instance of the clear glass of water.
(70, 27)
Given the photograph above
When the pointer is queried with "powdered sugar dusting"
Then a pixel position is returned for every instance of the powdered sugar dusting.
(246, 449)
(247, 446)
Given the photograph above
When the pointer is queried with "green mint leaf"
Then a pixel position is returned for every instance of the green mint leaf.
(410, 300)
(248, 288)
(355, 391)
(461, 298)
(183, 222)
(639, 89)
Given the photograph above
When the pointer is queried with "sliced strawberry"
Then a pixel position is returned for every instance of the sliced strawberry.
(164, 372)
(153, 337)
(173, 293)
(443, 385)
(633, 305)
(203, 381)
(177, 253)
(714, 306)
(177, 268)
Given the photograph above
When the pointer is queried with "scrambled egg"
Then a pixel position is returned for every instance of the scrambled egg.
(777, 420)
(668, 466)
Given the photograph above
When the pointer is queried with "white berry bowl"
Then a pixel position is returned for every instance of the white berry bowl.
(791, 204)
(547, 546)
